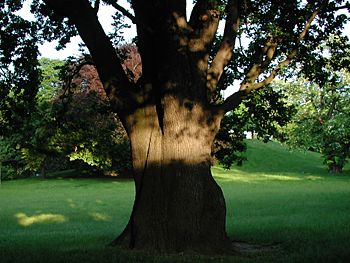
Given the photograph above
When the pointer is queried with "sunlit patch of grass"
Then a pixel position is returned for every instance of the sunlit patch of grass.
(253, 178)
(236, 175)
(101, 217)
(25, 220)
(71, 203)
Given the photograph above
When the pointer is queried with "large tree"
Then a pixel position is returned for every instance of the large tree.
(169, 114)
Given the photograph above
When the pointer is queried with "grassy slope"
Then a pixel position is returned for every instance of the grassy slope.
(277, 197)
(289, 198)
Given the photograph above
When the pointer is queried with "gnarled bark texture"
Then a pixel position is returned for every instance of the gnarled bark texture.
(178, 204)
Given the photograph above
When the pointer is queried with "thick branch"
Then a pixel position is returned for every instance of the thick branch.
(228, 42)
(332, 108)
(108, 65)
(204, 22)
(232, 102)
(203, 36)
(248, 87)
(196, 15)
(268, 51)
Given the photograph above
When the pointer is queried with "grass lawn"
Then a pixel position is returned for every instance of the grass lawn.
(278, 198)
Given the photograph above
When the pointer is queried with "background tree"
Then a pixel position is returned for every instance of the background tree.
(263, 112)
(19, 72)
(322, 120)
(70, 128)
(322, 99)
(169, 114)
(88, 131)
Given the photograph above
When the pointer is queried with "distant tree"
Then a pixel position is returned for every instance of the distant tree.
(323, 98)
(322, 122)
(88, 131)
(19, 69)
(34, 140)
(50, 82)
(71, 123)
(82, 126)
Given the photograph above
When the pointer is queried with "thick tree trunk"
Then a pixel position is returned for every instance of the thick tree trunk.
(178, 204)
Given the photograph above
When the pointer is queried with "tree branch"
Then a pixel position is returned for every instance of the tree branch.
(268, 51)
(248, 85)
(232, 102)
(197, 11)
(97, 6)
(204, 22)
(332, 106)
(337, 8)
(126, 13)
(111, 73)
(204, 35)
(225, 52)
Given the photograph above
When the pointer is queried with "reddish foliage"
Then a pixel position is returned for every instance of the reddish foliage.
(88, 80)
(131, 61)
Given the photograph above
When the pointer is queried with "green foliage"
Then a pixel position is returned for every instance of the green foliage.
(73, 129)
(229, 145)
(281, 22)
(19, 72)
(266, 111)
(52, 26)
(322, 99)
(263, 112)
(9, 157)
(278, 22)
(322, 120)
(91, 133)
(337, 141)
(51, 83)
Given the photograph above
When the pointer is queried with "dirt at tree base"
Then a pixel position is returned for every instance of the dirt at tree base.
(248, 249)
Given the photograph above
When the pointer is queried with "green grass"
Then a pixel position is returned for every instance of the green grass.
(277, 197)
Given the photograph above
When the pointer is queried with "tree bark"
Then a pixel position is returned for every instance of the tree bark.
(335, 168)
(178, 205)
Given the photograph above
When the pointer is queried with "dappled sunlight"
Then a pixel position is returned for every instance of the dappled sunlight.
(279, 177)
(71, 203)
(313, 177)
(223, 177)
(101, 217)
(25, 220)
(239, 176)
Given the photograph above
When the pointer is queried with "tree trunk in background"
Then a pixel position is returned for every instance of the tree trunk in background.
(335, 169)
(43, 168)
